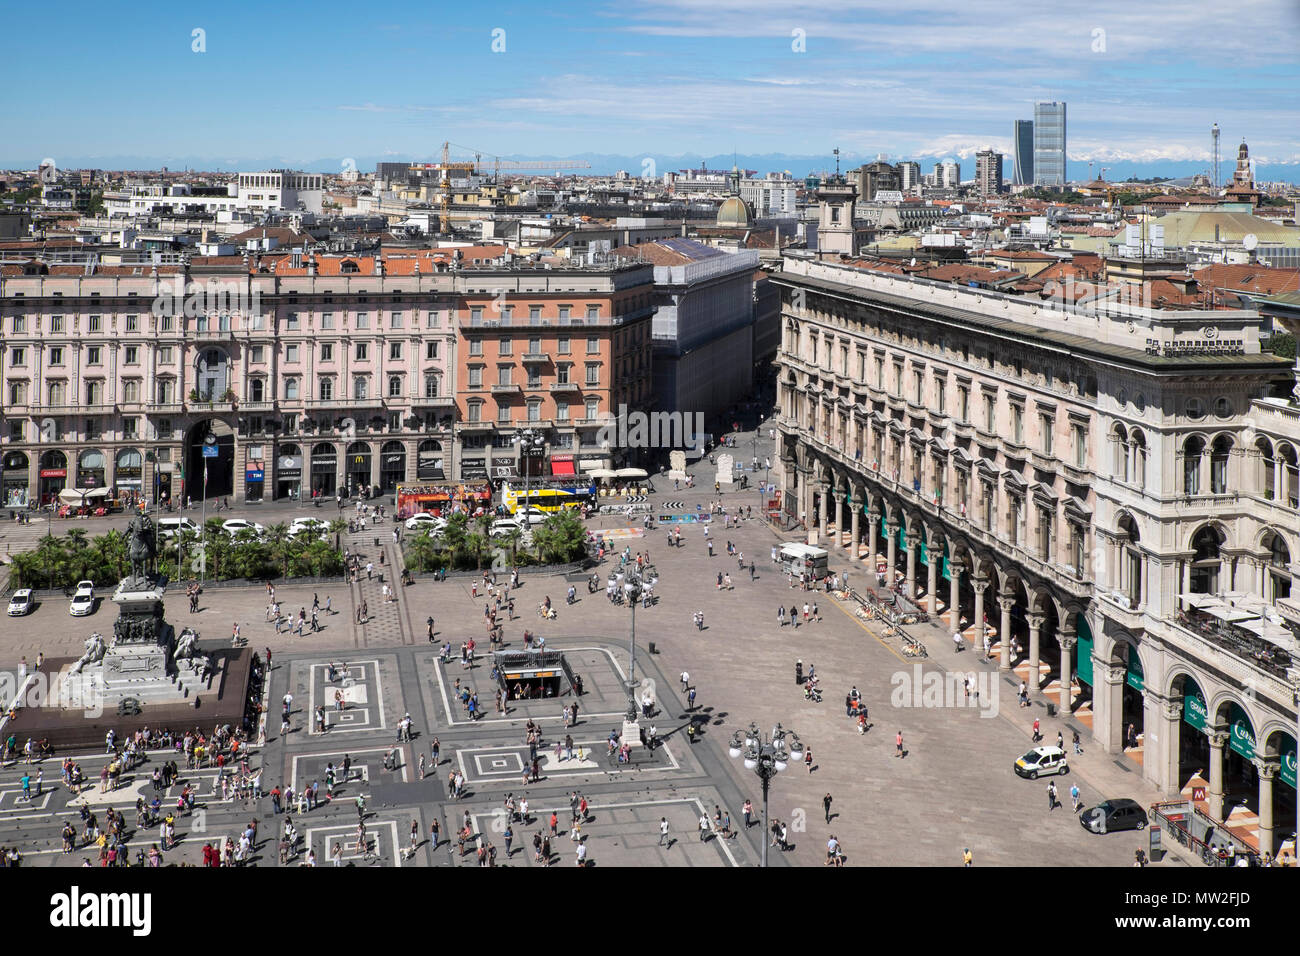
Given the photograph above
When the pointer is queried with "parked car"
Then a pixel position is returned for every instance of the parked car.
(423, 520)
(1111, 815)
(312, 527)
(236, 525)
(83, 599)
(21, 602)
(504, 527)
(530, 514)
(1042, 761)
(168, 527)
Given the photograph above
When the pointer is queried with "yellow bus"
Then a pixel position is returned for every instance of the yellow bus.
(549, 494)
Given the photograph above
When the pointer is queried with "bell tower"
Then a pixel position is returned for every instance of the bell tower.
(835, 199)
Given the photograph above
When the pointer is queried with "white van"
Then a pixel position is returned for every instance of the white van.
(167, 527)
(805, 559)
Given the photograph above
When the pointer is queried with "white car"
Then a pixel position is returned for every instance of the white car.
(236, 525)
(83, 600)
(504, 527)
(1042, 761)
(529, 514)
(313, 527)
(21, 602)
(422, 520)
(167, 527)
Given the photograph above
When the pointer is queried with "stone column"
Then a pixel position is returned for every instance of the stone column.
(839, 518)
(981, 585)
(1217, 740)
(1279, 479)
(1267, 770)
(1035, 625)
(913, 546)
(855, 540)
(954, 597)
(1108, 707)
(1171, 718)
(873, 525)
(891, 551)
(1005, 603)
(824, 508)
(932, 575)
(1067, 639)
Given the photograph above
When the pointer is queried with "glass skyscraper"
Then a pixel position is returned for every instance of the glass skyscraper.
(1049, 144)
(1022, 146)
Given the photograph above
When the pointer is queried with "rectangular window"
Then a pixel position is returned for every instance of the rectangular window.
(430, 350)
(476, 315)
(592, 408)
(291, 388)
(503, 346)
(564, 313)
(1080, 446)
(918, 386)
(18, 356)
(131, 355)
(327, 352)
(534, 377)
(132, 323)
(18, 393)
(56, 355)
(326, 389)
(327, 320)
(164, 323)
(561, 413)
(593, 373)
(362, 352)
(363, 320)
(94, 355)
(56, 323)
(941, 396)
(291, 322)
(534, 313)
(131, 390)
(395, 351)
(503, 375)
(93, 323)
(475, 346)
(593, 345)
(1047, 424)
(475, 410)
(1017, 424)
(990, 414)
(20, 324)
(476, 378)
(430, 386)
(291, 354)
(963, 402)
(503, 413)
(395, 320)
(256, 356)
(562, 345)
(562, 373)
(593, 312)
(130, 428)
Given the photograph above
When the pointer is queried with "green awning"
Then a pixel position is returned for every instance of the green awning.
(1083, 662)
(1194, 710)
(1241, 736)
(1286, 772)
(1133, 673)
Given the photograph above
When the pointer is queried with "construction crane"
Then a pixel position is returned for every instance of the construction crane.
(465, 168)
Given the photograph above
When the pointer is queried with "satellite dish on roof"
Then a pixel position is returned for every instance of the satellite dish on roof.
(1250, 241)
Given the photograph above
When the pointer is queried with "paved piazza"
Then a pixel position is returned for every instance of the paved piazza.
(953, 788)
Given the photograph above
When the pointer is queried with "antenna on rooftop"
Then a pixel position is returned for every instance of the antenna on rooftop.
(837, 162)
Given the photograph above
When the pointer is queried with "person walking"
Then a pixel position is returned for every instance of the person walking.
(663, 831)
(1074, 797)
(704, 827)
(898, 744)
(966, 858)
(826, 806)
(1051, 795)
(1078, 749)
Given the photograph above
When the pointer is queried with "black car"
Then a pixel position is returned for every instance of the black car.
(1111, 815)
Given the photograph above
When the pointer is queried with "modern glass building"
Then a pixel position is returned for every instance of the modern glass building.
(1022, 145)
(1049, 144)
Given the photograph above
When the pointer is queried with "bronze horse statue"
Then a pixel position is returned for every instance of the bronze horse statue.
(140, 547)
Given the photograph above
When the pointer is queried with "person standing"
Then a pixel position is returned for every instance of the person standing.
(663, 831)
(1074, 796)
(898, 744)
(826, 806)
(966, 858)
(704, 827)
(1051, 795)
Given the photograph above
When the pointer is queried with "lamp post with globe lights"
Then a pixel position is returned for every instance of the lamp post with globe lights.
(634, 587)
(766, 756)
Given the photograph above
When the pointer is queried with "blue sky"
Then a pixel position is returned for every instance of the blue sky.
(314, 83)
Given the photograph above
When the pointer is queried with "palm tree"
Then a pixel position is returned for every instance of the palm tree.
(277, 537)
(421, 552)
(513, 540)
(455, 534)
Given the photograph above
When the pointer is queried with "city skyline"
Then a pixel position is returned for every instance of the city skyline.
(658, 82)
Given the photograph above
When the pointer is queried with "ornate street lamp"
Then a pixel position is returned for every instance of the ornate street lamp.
(766, 757)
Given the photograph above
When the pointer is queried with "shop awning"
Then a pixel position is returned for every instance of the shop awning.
(562, 466)
(79, 496)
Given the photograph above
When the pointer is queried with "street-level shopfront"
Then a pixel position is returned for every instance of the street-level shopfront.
(392, 466)
(324, 470)
(288, 472)
(15, 478)
(53, 474)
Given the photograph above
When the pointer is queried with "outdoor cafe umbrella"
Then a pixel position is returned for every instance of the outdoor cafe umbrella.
(1231, 615)
(78, 497)
(602, 473)
(631, 473)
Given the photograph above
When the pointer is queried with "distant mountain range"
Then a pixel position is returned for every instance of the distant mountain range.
(650, 164)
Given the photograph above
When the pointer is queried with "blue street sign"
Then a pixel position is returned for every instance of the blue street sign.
(210, 451)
